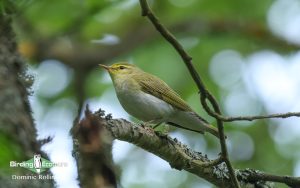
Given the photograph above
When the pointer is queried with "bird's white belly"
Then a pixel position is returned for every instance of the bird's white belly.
(144, 106)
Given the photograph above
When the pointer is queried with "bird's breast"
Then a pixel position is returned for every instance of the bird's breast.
(142, 105)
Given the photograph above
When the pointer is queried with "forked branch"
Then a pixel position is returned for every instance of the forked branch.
(146, 11)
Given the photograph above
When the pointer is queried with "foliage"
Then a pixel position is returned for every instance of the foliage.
(65, 29)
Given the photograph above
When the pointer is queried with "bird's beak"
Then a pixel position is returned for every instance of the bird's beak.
(104, 66)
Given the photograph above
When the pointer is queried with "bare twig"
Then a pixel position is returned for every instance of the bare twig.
(254, 175)
(146, 11)
(247, 118)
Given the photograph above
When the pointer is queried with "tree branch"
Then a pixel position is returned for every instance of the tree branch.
(175, 153)
(257, 175)
(181, 157)
(93, 152)
(146, 11)
(247, 118)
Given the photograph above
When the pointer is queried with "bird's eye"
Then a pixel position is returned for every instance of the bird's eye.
(122, 67)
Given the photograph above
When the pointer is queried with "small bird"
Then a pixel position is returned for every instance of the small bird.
(148, 98)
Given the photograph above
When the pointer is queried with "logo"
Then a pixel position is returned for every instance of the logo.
(37, 164)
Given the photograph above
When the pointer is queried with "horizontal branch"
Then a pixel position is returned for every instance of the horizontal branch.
(252, 118)
(246, 118)
(181, 157)
(178, 155)
(288, 180)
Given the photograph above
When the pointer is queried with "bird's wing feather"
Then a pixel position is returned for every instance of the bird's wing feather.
(153, 85)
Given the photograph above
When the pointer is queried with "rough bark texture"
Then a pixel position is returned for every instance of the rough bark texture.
(180, 157)
(93, 153)
(17, 130)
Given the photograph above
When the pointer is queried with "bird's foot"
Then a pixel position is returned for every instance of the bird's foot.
(146, 124)
(149, 124)
(162, 130)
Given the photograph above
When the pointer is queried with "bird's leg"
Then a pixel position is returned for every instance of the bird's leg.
(162, 131)
(157, 122)
(147, 123)
(153, 121)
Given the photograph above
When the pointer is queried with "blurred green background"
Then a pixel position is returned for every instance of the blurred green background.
(246, 51)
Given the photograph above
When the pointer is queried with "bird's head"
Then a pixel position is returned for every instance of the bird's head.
(121, 69)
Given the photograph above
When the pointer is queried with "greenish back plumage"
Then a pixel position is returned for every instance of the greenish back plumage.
(153, 85)
(133, 87)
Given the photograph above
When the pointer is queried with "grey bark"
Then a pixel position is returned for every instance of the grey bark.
(180, 157)
(17, 130)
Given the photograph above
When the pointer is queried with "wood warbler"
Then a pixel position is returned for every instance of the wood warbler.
(148, 98)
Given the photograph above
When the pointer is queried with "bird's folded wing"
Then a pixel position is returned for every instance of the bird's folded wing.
(152, 85)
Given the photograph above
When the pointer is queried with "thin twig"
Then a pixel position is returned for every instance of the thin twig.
(247, 118)
(254, 175)
(251, 118)
(146, 11)
(224, 152)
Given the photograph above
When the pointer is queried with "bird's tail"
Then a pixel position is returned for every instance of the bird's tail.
(213, 130)
(193, 122)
